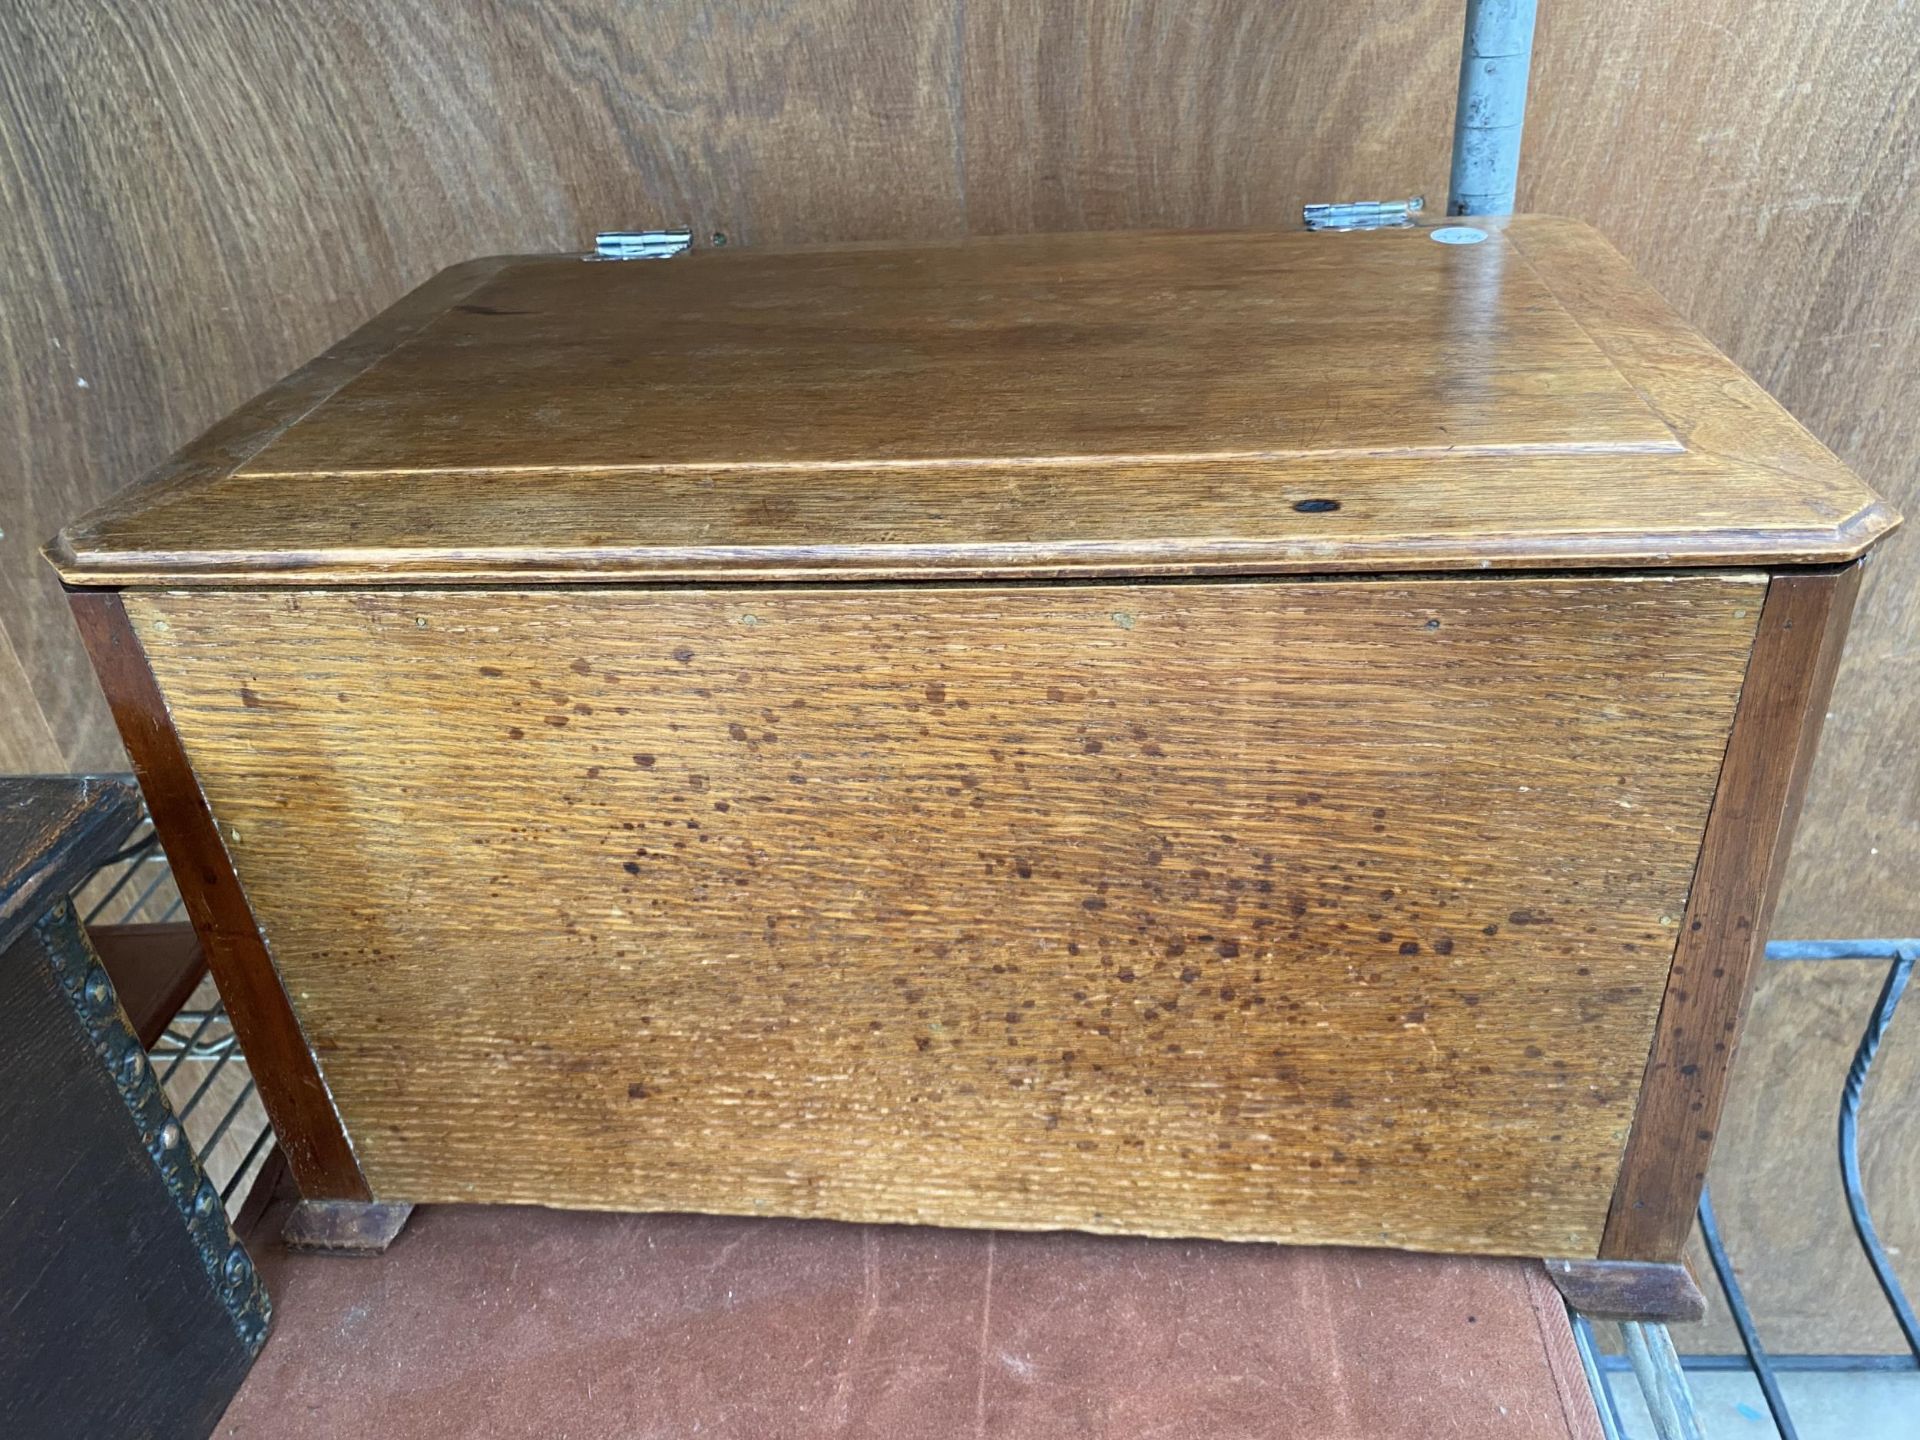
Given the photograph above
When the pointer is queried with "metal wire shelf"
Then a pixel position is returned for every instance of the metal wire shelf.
(1766, 1367)
(198, 1061)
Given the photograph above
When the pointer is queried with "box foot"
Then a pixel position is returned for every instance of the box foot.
(1628, 1290)
(346, 1227)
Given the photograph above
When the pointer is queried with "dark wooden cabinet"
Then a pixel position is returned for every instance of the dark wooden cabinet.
(127, 1306)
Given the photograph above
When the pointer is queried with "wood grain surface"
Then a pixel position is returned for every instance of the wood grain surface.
(1292, 910)
(154, 969)
(291, 1086)
(1093, 404)
(1039, 350)
(1730, 910)
(1628, 1290)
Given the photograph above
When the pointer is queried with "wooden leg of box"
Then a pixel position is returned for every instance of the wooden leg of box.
(1796, 651)
(346, 1227)
(290, 1084)
(1628, 1290)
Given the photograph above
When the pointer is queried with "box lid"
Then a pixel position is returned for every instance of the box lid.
(1107, 404)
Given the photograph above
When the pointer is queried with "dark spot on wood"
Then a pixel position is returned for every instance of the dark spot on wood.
(684, 655)
(1469, 998)
(1443, 946)
(643, 760)
(1409, 947)
(250, 699)
(583, 709)
(559, 722)
(471, 309)
(1093, 747)
(920, 1042)
(1533, 1052)
(936, 693)
(1529, 917)
(1093, 902)
(737, 730)
(492, 672)
(1227, 950)
(514, 732)
(1317, 506)
(636, 1091)
(1490, 930)
(581, 667)
(593, 772)
(1126, 975)
(632, 867)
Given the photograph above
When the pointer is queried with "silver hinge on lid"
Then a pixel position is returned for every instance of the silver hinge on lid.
(1363, 214)
(640, 244)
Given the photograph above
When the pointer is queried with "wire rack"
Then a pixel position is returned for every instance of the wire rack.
(1658, 1373)
(198, 1061)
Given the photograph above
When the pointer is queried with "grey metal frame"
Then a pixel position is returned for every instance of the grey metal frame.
(1496, 55)
(1766, 1368)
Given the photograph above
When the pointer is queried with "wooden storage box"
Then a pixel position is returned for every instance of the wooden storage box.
(1283, 737)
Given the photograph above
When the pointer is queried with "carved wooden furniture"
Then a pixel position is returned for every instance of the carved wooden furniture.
(129, 1307)
(1272, 737)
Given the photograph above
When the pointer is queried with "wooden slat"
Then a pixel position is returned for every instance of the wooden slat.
(1332, 911)
(290, 1084)
(1789, 678)
(1629, 1290)
(154, 969)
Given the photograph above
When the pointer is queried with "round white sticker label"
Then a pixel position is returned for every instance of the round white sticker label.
(1459, 235)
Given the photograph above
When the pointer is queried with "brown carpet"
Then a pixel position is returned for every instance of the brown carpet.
(489, 1321)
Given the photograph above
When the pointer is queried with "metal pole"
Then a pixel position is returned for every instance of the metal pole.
(1494, 59)
(1657, 1367)
(1757, 1356)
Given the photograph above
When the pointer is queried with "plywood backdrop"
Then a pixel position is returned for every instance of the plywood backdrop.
(196, 197)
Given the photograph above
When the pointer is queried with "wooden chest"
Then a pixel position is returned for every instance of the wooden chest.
(1283, 737)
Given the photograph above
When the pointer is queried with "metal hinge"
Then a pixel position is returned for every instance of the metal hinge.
(1364, 214)
(641, 244)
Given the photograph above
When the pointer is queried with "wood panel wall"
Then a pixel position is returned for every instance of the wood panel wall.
(197, 195)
